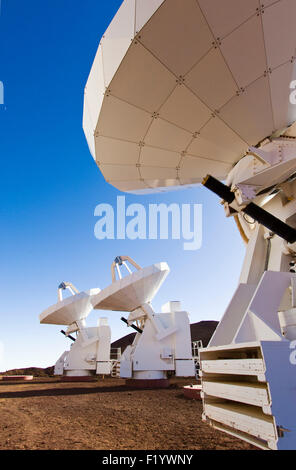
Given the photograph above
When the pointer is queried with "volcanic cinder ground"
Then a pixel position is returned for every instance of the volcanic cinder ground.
(104, 415)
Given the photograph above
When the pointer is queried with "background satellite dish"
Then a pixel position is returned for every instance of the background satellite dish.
(132, 291)
(180, 89)
(72, 309)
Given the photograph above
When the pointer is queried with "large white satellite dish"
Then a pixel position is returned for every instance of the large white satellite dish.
(179, 89)
(70, 310)
(132, 291)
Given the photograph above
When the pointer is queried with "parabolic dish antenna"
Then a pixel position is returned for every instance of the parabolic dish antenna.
(180, 89)
(132, 291)
(74, 308)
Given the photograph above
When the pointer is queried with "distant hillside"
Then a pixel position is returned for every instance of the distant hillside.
(202, 330)
(123, 342)
(36, 371)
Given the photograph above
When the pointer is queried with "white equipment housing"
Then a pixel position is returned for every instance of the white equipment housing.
(90, 352)
(164, 346)
(163, 340)
(248, 371)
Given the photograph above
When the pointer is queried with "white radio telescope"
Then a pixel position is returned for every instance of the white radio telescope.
(190, 91)
(162, 344)
(90, 351)
(161, 347)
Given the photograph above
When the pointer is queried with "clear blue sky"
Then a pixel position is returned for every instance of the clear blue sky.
(50, 187)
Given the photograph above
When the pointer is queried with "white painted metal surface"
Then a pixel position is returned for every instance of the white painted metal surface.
(257, 407)
(130, 292)
(90, 353)
(199, 87)
(163, 340)
(181, 89)
(173, 345)
(262, 309)
(69, 310)
(164, 345)
(250, 394)
(234, 366)
(243, 418)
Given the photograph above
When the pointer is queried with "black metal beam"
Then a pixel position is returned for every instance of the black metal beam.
(257, 213)
(132, 326)
(68, 336)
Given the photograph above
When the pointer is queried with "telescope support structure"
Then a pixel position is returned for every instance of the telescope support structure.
(162, 345)
(248, 370)
(89, 354)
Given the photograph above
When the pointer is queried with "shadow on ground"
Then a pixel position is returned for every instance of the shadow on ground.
(54, 392)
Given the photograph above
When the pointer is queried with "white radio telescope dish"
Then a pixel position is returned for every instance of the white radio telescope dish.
(182, 88)
(70, 310)
(129, 293)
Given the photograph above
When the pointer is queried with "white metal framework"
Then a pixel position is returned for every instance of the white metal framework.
(179, 89)
(248, 377)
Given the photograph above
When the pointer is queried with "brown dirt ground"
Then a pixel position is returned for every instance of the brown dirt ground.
(104, 415)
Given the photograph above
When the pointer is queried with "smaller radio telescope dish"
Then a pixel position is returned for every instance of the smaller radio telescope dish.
(182, 88)
(132, 291)
(70, 310)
